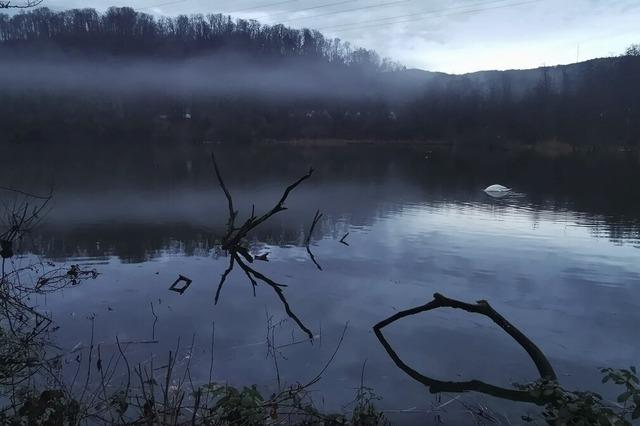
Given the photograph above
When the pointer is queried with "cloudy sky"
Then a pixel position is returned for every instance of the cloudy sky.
(440, 35)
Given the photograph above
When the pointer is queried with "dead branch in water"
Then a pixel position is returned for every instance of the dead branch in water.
(180, 288)
(316, 219)
(481, 307)
(235, 235)
(232, 242)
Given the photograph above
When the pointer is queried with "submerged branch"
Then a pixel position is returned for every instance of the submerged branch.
(232, 213)
(316, 219)
(481, 307)
(235, 235)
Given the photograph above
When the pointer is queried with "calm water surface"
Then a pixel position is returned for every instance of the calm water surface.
(560, 259)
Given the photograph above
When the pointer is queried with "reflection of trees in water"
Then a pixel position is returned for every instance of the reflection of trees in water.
(141, 243)
(595, 188)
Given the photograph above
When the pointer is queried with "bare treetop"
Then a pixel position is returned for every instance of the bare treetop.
(21, 5)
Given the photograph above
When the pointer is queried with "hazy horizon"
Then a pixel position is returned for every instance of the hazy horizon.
(458, 38)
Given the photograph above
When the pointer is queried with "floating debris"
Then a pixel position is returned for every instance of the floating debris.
(262, 257)
(180, 288)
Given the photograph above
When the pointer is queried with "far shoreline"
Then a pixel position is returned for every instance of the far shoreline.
(553, 148)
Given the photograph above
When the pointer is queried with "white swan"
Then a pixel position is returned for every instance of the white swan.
(497, 188)
(497, 191)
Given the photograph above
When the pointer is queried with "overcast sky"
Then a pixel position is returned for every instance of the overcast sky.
(451, 36)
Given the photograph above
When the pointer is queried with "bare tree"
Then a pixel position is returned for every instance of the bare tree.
(633, 50)
(24, 5)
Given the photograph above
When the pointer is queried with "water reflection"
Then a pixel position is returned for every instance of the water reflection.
(137, 241)
(560, 261)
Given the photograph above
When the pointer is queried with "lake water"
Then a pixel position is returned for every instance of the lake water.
(559, 259)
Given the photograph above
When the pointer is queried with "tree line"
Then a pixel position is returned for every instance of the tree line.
(122, 30)
(357, 94)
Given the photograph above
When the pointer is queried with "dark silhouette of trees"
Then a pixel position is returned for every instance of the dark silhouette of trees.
(633, 50)
(122, 30)
(327, 89)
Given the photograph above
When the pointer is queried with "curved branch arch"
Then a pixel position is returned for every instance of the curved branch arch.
(481, 307)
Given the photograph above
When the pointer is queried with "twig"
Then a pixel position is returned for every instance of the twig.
(88, 376)
(126, 361)
(319, 375)
(28, 194)
(232, 212)
(213, 335)
(316, 219)
(155, 320)
(271, 345)
(139, 342)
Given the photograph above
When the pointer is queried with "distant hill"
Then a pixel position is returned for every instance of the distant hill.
(125, 74)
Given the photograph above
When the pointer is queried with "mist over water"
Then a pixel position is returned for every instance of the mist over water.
(210, 75)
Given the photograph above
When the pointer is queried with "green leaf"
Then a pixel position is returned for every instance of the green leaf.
(633, 369)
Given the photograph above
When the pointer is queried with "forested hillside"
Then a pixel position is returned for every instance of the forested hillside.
(125, 74)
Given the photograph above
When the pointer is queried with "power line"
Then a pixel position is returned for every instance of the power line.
(162, 4)
(271, 15)
(440, 16)
(261, 6)
(348, 10)
(257, 6)
(429, 12)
